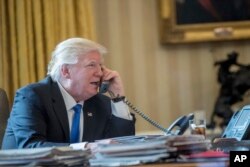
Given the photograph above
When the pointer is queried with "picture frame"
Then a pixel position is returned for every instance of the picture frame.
(174, 31)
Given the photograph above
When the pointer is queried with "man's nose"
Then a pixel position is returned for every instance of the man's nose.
(99, 71)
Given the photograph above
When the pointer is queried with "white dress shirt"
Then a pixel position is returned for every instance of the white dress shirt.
(119, 109)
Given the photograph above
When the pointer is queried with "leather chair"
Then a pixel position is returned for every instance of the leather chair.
(4, 113)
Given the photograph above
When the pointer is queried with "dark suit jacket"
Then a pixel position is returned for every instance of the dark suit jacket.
(39, 118)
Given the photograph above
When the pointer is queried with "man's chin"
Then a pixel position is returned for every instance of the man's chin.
(93, 94)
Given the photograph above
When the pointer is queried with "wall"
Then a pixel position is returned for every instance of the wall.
(164, 81)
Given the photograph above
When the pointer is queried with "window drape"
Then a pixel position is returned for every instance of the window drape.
(29, 31)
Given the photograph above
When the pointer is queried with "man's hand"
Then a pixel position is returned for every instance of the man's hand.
(92, 146)
(116, 87)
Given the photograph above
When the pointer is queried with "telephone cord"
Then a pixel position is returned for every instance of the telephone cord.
(145, 116)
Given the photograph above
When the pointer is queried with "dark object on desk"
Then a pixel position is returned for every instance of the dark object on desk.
(234, 85)
(230, 144)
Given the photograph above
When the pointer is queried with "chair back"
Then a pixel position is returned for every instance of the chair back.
(4, 113)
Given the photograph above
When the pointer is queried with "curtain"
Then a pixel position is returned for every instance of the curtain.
(29, 31)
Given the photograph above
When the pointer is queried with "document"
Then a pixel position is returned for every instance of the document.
(56, 156)
(134, 150)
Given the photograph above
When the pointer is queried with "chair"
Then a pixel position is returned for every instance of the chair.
(4, 113)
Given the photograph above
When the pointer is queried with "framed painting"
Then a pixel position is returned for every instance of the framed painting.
(185, 21)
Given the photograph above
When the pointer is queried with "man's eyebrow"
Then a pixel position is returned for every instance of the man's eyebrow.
(91, 61)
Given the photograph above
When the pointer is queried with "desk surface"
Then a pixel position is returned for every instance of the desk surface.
(196, 164)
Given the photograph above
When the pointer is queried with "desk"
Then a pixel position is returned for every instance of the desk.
(196, 164)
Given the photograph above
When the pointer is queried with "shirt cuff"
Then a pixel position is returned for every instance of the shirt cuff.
(121, 110)
(79, 146)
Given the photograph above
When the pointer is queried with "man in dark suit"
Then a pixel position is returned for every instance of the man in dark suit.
(43, 113)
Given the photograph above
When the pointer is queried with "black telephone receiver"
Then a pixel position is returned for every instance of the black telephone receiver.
(104, 87)
(180, 125)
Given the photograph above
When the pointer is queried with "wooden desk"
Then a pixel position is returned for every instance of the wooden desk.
(196, 164)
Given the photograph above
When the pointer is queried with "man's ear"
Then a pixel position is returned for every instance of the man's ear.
(65, 71)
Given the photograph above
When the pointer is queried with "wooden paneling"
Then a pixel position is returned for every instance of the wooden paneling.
(164, 81)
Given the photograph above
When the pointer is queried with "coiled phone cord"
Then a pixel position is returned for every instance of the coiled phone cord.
(145, 116)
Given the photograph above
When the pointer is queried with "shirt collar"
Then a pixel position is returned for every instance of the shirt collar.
(68, 99)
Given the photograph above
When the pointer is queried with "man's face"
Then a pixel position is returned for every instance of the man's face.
(84, 77)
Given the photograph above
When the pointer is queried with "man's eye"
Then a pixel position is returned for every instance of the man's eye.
(92, 65)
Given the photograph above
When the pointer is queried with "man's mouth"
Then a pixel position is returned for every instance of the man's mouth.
(95, 83)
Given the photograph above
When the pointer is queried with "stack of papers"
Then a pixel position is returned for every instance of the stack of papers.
(53, 156)
(187, 144)
(134, 150)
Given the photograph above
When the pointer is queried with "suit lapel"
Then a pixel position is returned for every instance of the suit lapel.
(89, 121)
(60, 108)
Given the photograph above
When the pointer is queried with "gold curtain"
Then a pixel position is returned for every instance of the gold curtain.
(29, 31)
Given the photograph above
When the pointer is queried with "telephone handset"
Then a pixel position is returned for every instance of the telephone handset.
(180, 125)
(104, 87)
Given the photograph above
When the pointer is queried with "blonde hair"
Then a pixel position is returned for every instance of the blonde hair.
(67, 52)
